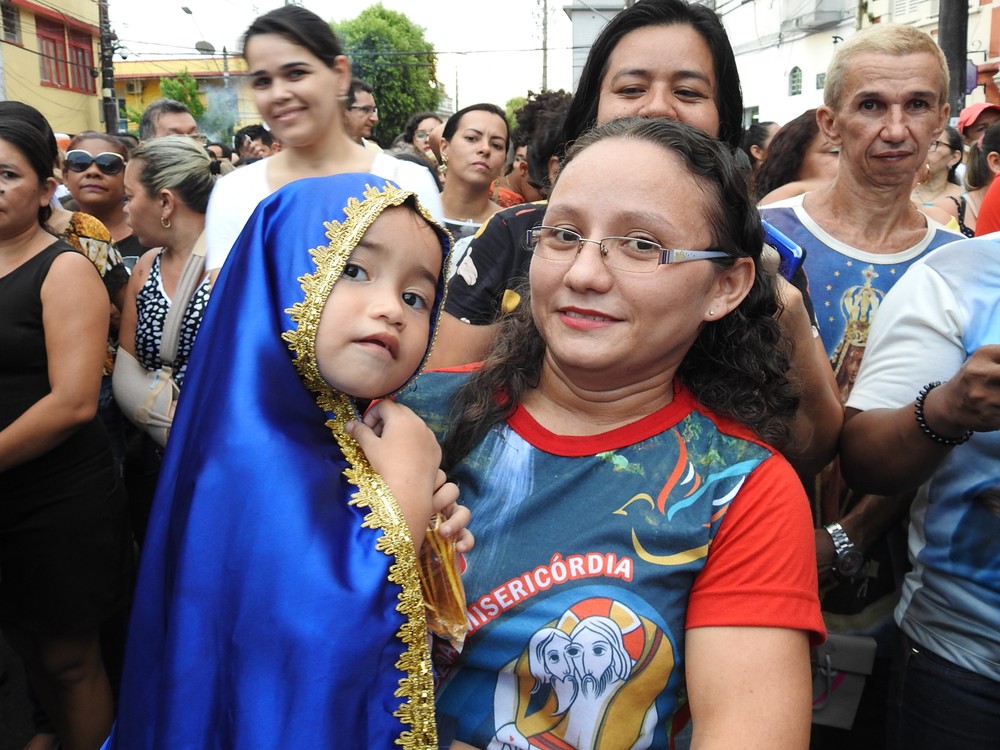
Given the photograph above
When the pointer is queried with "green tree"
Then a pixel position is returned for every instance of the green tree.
(184, 89)
(389, 51)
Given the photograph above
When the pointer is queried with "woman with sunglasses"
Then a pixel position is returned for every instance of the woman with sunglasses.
(66, 552)
(94, 172)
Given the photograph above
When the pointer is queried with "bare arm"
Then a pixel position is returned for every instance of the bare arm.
(812, 441)
(459, 343)
(75, 324)
(129, 320)
(748, 688)
(906, 457)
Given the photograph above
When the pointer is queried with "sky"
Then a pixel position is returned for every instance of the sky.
(488, 51)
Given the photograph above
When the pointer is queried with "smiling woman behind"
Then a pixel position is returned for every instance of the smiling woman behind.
(299, 76)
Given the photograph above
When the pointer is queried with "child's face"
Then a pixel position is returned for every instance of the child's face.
(375, 326)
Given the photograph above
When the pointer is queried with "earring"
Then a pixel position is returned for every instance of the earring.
(927, 175)
(443, 166)
(711, 312)
(165, 223)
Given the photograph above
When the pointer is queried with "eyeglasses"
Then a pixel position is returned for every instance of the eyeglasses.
(420, 135)
(935, 144)
(107, 161)
(367, 109)
(632, 254)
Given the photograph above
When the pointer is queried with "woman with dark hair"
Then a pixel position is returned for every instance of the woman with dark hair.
(473, 150)
(65, 554)
(939, 180)
(676, 62)
(417, 132)
(975, 203)
(641, 549)
(799, 157)
(756, 141)
(299, 77)
(94, 171)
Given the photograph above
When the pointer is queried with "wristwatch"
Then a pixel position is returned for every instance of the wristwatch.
(849, 557)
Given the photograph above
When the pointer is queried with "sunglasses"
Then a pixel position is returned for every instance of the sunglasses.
(107, 161)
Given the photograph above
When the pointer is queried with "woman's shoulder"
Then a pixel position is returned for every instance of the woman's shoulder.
(431, 393)
(86, 226)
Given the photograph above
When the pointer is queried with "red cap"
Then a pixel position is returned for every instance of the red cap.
(971, 113)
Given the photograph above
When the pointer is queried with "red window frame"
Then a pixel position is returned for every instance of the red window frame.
(81, 62)
(52, 51)
(66, 57)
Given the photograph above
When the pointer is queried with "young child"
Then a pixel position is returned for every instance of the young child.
(279, 602)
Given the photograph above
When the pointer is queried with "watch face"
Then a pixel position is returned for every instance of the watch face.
(849, 562)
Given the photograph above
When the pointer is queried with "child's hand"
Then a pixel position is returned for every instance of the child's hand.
(456, 516)
(404, 451)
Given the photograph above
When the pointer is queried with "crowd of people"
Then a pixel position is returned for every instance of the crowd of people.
(269, 408)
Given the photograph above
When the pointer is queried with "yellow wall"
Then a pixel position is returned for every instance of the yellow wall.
(67, 111)
(138, 82)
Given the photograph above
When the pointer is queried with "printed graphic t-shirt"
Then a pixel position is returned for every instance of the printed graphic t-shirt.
(593, 556)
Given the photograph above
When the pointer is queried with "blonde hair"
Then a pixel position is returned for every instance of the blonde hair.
(177, 163)
(883, 39)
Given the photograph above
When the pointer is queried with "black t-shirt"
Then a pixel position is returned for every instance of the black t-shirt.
(496, 264)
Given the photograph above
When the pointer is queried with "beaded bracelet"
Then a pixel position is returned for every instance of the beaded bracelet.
(918, 411)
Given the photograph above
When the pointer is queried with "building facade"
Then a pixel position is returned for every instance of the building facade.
(49, 59)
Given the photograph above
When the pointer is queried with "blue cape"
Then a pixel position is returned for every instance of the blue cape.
(278, 602)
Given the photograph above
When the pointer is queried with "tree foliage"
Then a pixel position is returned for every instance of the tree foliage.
(184, 89)
(389, 51)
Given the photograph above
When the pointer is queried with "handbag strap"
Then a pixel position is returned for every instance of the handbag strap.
(191, 276)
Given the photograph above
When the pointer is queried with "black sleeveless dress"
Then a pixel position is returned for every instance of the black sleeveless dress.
(65, 544)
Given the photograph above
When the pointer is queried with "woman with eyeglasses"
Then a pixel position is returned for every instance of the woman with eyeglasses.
(417, 132)
(299, 77)
(94, 172)
(938, 181)
(65, 546)
(642, 552)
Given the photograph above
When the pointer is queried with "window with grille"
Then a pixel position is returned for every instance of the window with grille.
(81, 63)
(66, 58)
(11, 23)
(795, 81)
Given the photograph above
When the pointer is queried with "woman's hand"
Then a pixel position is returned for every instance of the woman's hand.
(403, 450)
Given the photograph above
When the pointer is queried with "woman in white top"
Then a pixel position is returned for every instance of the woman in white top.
(299, 76)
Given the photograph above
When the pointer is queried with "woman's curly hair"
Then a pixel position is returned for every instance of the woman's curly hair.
(738, 365)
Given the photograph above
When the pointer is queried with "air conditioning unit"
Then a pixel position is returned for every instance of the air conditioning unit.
(133, 86)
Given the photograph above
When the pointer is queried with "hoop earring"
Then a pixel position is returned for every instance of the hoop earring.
(927, 174)
(165, 223)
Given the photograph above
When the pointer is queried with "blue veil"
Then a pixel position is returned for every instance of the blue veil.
(278, 601)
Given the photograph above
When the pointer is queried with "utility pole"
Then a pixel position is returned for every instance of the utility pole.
(953, 30)
(108, 97)
(545, 45)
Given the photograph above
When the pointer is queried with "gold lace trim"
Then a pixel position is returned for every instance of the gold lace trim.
(417, 685)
